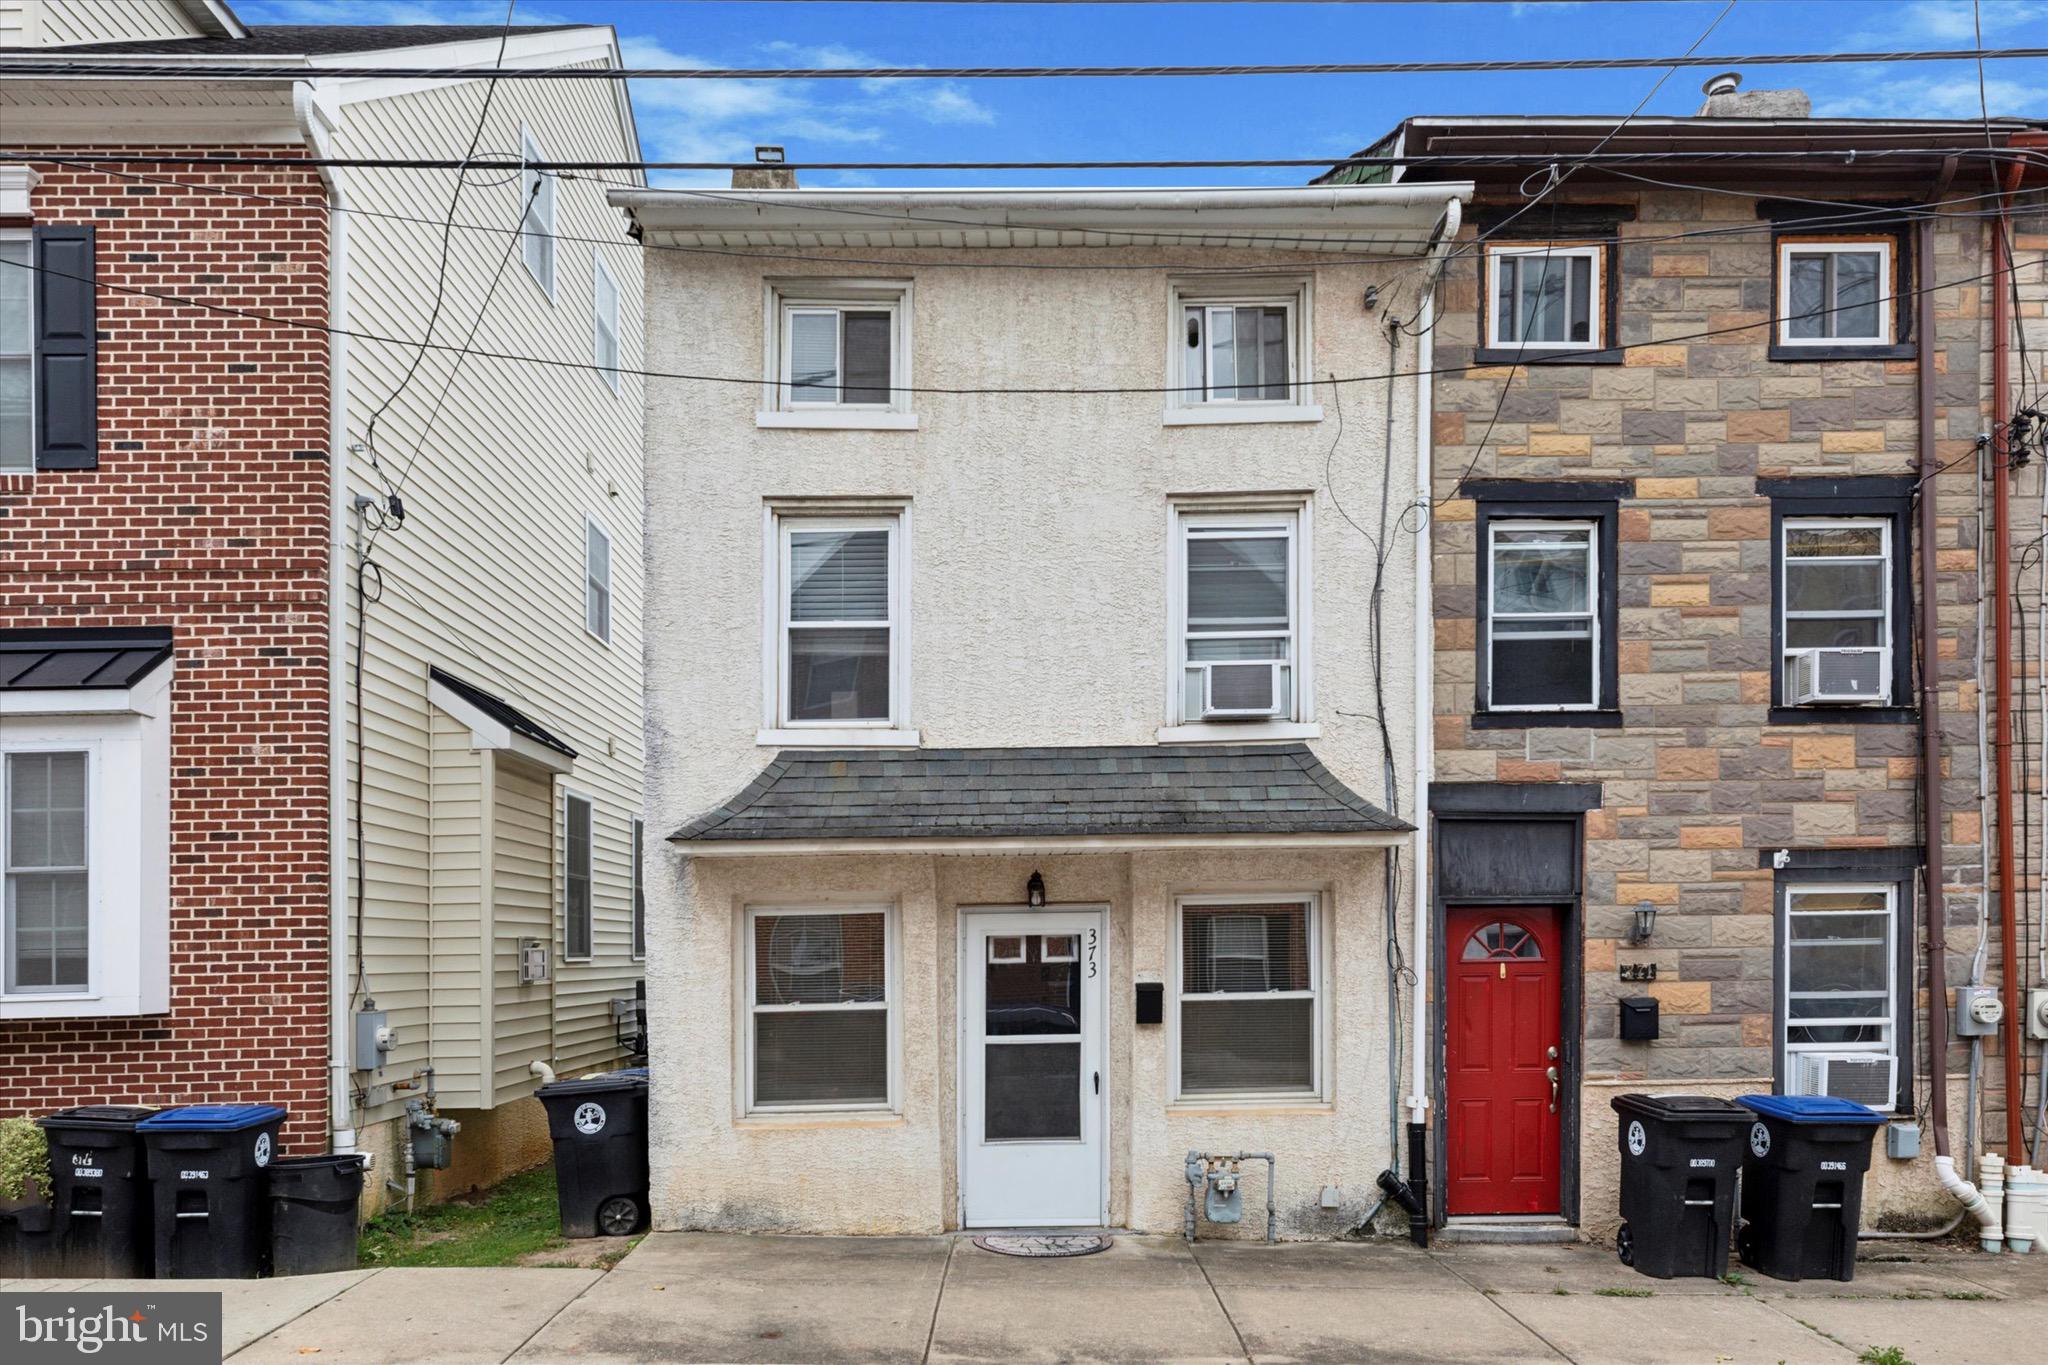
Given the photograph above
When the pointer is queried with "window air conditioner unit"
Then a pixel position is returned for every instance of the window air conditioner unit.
(1869, 1078)
(1241, 691)
(1841, 675)
(533, 961)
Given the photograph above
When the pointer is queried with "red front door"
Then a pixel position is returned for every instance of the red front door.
(1502, 1045)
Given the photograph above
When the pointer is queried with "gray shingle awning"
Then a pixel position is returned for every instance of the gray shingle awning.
(1169, 791)
(98, 657)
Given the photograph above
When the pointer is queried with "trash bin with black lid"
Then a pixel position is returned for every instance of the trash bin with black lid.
(1679, 1158)
(206, 1167)
(313, 1203)
(1802, 1185)
(599, 1126)
(100, 1205)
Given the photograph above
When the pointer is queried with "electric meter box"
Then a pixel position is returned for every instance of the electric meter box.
(1979, 1011)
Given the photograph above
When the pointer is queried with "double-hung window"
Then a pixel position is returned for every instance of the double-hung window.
(1835, 293)
(597, 580)
(1543, 615)
(576, 861)
(1840, 969)
(839, 604)
(537, 215)
(604, 309)
(1238, 607)
(17, 353)
(1835, 599)
(1248, 984)
(839, 354)
(1545, 297)
(820, 990)
(44, 850)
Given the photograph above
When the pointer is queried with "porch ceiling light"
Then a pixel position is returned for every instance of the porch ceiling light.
(1034, 891)
(1646, 923)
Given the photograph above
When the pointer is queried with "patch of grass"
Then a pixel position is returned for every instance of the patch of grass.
(1883, 1355)
(1562, 1291)
(495, 1227)
(1966, 1295)
(1735, 1279)
(1626, 1293)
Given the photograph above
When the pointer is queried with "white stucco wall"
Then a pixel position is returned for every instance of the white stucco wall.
(1038, 615)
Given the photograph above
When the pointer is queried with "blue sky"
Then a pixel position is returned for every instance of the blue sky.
(1228, 117)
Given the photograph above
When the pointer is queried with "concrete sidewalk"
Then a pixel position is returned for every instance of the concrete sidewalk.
(703, 1297)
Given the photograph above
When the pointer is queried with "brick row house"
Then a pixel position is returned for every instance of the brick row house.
(201, 897)
(1695, 416)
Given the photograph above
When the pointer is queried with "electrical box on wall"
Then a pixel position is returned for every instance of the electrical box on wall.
(1638, 1018)
(374, 1038)
(2037, 1013)
(1979, 1011)
(1151, 1003)
(1902, 1141)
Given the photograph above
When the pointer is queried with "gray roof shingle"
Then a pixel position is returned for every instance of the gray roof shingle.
(1166, 789)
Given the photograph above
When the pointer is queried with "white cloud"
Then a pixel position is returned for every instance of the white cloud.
(1892, 92)
(396, 12)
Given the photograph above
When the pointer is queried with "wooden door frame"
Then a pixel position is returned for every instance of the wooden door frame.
(1481, 803)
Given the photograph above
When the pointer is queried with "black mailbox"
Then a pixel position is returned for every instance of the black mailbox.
(1151, 1003)
(1638, 1018)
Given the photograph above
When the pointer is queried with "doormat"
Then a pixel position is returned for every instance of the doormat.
(1038, 1244)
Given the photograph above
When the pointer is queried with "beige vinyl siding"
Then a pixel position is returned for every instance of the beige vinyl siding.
(523, 890)
(53, 23)
(461, 850)
(485, 577)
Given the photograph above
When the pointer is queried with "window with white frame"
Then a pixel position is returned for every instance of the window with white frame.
(1545, 296)
(537, 216)
(576, 860)
(1248, 983)
(1835, 293)
(47, 866)
(839, 632)
(1841, 993)
(597, 580)
(1835, 600)
(604, 308)
(840, 347)
(1238, 351)
(17, 353)
(820, 988)
(1238, 604)
(1543, 615)
(639, 890)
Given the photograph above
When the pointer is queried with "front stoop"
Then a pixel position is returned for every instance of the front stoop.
(1507, 1232)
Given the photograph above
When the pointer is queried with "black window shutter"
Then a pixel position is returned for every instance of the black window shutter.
(67, 340)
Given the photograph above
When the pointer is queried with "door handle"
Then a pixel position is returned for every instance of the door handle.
(1551, 1073)
(1098, 1082)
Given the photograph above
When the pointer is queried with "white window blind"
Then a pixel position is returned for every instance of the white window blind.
(597, 581)
(537, 217)
(17, 354)
(819, 994)
(576, 877)
(1248, 982)
(1841, 993)
(838, 605)
(1543, 616)
(43, 849)
(605, 312)
(839, 356)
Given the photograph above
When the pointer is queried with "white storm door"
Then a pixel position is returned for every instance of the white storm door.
(1031, 1083)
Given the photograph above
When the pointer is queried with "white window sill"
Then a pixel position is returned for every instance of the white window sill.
(1232, 414)
(825, 737)
(830, 420)
(819, 1118)
(1314, 1105)
(61, 1006)
(1238, 732)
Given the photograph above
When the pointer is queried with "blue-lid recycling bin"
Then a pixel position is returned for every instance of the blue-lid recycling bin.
(100, 1204)
(208, 1165)
(1802, 1185)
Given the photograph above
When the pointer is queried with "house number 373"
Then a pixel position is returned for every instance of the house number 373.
(1091, 952)
(1638, 971)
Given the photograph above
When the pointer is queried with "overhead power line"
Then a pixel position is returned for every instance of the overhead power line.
(57, 68)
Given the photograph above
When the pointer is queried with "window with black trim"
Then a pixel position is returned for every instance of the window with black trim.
(1547, 602)
(1841, 582)
(1841, 282)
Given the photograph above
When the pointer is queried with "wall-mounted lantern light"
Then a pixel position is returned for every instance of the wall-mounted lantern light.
(1645, 925)
(1034, 892)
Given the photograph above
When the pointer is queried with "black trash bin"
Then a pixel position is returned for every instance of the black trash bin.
(206, 1165)
(1679, 1158)
(599, 1125)
(100, 1206)
(1802, 1185)
(313, 1203)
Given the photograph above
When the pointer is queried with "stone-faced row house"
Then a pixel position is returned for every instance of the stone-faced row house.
(319, 689)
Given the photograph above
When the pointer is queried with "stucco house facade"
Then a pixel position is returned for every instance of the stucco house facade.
(1713, 591)
(391, 614)
(1031, 795)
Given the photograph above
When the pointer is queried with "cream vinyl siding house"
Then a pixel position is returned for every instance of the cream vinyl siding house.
(53, 23)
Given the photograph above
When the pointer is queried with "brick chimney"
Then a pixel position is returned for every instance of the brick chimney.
(768, 172)
(1727, 99)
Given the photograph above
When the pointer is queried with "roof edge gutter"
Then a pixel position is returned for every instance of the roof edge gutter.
(1036, 843)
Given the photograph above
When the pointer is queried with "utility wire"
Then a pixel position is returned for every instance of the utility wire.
(215, 71)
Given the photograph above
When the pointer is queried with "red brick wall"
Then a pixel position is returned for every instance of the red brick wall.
(208, 514)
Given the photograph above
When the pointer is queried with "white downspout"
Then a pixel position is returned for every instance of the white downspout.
(315, 123)
(1425, 668)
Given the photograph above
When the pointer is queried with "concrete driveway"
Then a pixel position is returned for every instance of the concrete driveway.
(704, 1297)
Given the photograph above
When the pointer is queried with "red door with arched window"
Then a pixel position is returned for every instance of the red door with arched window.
(1503, 1064)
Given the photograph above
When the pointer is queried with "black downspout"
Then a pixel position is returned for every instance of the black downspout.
(1418, 1180)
